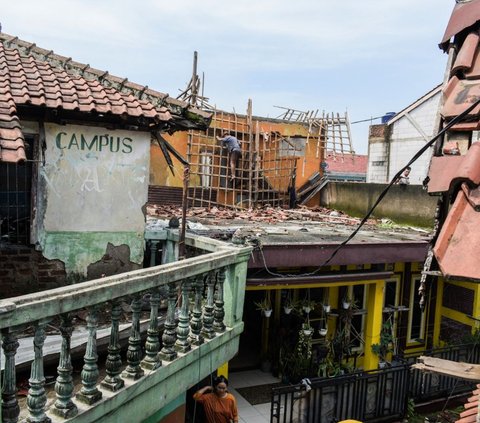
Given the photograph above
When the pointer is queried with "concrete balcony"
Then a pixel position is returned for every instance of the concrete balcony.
(199, 332)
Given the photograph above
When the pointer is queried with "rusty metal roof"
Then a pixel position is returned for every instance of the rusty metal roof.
(34, 77)
(464, 15)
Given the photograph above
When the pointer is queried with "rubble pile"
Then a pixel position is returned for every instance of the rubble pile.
(267, 214)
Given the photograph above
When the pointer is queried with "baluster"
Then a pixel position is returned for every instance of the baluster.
(113, 366)
(169, 336)
(64, 406)
(219, 312)
(153, 252)
(134, 352)
(208, 331)
(183, 329)
(37, 397)
(196, 337)
(10, 407)
(152, 345)
(89, 393)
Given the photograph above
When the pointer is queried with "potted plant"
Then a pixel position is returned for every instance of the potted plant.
(308, 305)
(347, 302)
(326, 308)
(323, 331)
(307, 330)
(384, 347)
(265, 306)
(289, 305)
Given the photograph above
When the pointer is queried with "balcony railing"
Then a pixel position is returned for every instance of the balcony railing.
(199, 332)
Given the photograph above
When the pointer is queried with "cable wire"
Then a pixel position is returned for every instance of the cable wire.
(417, 155)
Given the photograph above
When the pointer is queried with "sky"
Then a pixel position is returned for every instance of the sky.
(365, 58)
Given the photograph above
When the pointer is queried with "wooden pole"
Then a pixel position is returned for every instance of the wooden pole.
(181, 242)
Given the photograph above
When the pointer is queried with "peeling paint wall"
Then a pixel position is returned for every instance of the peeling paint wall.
(95, 183)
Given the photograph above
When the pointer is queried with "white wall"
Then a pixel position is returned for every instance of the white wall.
(377, 162)
(406, 140)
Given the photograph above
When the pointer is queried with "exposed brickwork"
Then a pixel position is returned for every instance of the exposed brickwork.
(24, 270)
(458, 298)
(379, 131)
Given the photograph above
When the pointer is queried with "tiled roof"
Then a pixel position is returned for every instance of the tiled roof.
(471, 408)
(346, 163)
(459, 175)
(465, 14)
(463, 86)
(31, 76)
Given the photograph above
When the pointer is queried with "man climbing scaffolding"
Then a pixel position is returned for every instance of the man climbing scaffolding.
(234, 152)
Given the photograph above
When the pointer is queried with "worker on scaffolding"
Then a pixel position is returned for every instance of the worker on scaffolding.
(234, 151)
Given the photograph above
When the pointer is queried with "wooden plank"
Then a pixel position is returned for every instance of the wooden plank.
(465, 371)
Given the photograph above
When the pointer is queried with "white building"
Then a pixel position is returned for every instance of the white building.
(392, 145)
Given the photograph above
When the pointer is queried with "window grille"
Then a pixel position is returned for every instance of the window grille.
(15, 198)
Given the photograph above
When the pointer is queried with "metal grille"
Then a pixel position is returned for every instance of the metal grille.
(15, 199)
(366, 396)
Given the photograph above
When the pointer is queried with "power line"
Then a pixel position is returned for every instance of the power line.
(366, 120)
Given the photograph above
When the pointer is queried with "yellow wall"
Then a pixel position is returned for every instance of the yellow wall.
(160, 174)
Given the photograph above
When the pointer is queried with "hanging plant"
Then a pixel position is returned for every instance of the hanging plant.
(327, 308)
(308, 305)
(323, 331)
(265, 306)
(290, 305)
(306, 331)
(347, 302)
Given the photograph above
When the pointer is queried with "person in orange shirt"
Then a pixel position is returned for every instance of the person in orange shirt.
(220, 406)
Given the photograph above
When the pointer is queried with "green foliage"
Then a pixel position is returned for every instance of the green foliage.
(385, 345)
(263, 305)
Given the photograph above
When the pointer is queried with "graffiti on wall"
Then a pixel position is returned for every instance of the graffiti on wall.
(97, 179)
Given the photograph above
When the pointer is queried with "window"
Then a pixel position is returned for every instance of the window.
(205, 168)
(416, 318)
(390, 296)
(292, 147)
(15, 198)
(356, 293)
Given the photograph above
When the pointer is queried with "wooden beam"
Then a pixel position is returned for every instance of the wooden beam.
(448, 368)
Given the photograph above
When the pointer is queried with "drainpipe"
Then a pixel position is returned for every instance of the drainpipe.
(181, 242)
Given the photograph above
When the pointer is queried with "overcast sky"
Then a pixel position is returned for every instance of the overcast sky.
(365, 57)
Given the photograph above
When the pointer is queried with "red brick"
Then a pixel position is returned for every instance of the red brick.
(47, 279)
(23, 258)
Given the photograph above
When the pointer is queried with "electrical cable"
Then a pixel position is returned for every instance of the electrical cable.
(415, 157)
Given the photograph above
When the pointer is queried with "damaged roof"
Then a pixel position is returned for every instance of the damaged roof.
(453, 174)
(34, 77)
(301, 237)
(465, 14)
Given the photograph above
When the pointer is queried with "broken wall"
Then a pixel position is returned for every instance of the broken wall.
(92, 188)
(271, 149)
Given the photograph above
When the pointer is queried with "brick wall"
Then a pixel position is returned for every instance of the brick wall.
(24, 270)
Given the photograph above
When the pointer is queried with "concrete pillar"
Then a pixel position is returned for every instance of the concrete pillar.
(374, 323)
